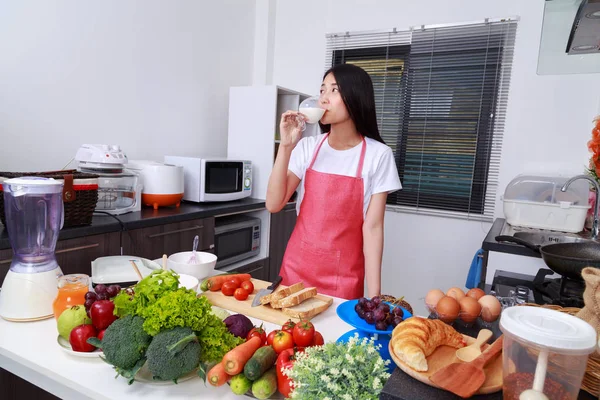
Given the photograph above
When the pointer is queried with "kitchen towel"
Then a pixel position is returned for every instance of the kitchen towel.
(475, 271)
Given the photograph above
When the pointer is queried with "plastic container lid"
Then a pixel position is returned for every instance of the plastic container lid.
(549, 329)
(547, 190)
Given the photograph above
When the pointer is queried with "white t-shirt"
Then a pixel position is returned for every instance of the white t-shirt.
(379, 169)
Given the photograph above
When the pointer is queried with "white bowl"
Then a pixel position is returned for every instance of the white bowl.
(188, 282)
(178, 262)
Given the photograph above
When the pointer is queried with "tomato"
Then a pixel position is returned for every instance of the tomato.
(288, 326)
(281, 341)
(318, 339)
(228, 288)
(270, 337)
(235, 281)
(248, 286)
(260, 332)
(240, 294)
(303, 333)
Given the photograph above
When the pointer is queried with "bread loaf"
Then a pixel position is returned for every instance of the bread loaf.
(281, 293)
(307, 309)
(416, 338)
(295, 299)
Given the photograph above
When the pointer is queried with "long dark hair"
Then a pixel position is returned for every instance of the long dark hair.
(356, 88)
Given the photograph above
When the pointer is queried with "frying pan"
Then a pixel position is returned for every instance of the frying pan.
(566, 259)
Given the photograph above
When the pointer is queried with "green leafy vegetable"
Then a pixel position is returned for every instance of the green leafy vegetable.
(146, 292)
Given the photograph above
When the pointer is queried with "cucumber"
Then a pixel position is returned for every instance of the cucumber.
(240, 384)
(260, 362)
(265, 386)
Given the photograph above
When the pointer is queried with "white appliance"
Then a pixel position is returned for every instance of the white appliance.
(217, 179)
(119, 189)
(34, 217)
(163, 183)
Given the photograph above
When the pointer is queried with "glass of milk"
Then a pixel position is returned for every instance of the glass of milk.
(312, 110)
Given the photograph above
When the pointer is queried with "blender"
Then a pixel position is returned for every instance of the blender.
(34, 217)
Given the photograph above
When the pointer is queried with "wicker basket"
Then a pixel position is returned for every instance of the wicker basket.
(591, 379)
(80, 194)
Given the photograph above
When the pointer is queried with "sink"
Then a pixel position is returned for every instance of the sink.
(544, 238)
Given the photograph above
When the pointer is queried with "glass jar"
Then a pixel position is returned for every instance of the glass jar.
(71, 292)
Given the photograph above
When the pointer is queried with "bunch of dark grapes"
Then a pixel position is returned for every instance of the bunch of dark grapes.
(101, 292)
(375, 311)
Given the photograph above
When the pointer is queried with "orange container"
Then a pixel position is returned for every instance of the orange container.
(71, 292)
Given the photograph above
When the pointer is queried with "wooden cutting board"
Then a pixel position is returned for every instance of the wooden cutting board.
(264, 313)
(445, 355)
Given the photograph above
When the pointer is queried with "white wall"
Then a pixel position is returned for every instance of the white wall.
(152, 76)
(549, 119)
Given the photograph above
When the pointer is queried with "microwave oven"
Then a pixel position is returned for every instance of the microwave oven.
(237, 237)
(207, 180)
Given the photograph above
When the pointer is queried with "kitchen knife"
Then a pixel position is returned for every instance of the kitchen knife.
(264, 292)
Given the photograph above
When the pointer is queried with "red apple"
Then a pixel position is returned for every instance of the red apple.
(102, 314)
(79, 336)
(101, 334)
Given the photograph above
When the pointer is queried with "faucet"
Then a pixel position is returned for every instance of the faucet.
(595, 226)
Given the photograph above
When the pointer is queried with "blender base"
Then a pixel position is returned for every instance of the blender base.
(29, 297)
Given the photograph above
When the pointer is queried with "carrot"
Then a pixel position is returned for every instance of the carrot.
(214, 283)
(217, 375)
(234, 361)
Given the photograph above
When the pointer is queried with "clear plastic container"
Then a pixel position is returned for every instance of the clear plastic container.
(538, 202)
(544, 350)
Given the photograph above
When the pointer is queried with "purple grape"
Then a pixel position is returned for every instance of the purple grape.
(103, 296)
(381, 326)
(357, 307)
(91, 296)
(397, 320)
(113, 290)
(369, 305)
(362, 301)
(362, 313)
(379, 315)
(389, 318)
(88, 303)
(385, 307)
(100, 289)
(376, 300)
(88, 313)
(399, 312)
(369, 317)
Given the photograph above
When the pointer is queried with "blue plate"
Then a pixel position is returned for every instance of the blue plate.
(346, 312)
(383, 340)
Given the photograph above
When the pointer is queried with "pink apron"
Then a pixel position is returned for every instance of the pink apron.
(326, 246)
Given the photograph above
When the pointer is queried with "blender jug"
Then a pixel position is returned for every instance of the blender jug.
(34, 215)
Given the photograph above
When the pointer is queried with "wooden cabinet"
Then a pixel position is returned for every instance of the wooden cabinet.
(155, 241)
(282, 225)
(258, 269)
(14, 387)
(75, 255)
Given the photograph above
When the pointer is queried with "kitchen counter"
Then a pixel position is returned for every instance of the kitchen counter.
(149, 217)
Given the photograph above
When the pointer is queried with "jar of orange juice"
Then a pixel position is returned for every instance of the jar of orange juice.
(71, 292)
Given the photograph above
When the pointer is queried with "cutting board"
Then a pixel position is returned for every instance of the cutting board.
(445, 355)
(264, 313)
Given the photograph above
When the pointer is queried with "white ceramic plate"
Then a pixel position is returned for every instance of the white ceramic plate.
(144, 375)
(66, 347)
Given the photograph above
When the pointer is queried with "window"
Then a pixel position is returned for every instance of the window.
(441, 96)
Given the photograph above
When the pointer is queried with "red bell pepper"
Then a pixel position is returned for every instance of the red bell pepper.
(285, 360)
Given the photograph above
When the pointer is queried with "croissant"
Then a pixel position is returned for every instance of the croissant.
(416, 338)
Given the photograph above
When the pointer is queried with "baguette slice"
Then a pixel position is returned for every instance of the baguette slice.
(307, 309)
(281, 293)
(296, 298)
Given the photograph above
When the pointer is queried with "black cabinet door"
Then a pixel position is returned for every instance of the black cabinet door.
(258, 269)
(167, 239)
(282, 225)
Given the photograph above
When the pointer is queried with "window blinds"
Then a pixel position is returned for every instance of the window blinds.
(441, 95)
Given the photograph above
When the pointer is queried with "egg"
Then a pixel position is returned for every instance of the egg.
(447, 309)
(455, 292)
(432, 298)
(469, 309)
(490, 308)
(476, 293)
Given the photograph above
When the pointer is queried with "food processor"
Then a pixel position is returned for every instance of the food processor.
(34, 217)
(119, 189)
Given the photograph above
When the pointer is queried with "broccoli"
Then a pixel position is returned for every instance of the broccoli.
(124, 345)
(173, 353)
